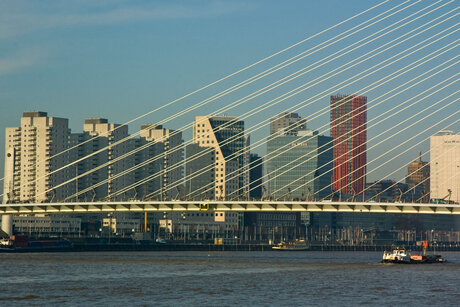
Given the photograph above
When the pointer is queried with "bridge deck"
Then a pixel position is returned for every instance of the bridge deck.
(241, 206)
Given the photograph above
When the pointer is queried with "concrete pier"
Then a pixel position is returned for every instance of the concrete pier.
(7, 224)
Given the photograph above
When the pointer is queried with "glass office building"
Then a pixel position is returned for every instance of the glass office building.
(299, 166)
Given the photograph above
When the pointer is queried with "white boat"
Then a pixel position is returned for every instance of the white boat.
(6, 243)
(397, 255)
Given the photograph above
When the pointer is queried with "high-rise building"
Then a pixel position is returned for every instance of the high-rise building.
(200, 172)
(100, 163)
(299, 166)
(226, 136)
(348, 129)
(287, 124)
(32, 163)
(255, 176)
(166, 153)
(418, 180)
(298, 160)
(445, 166)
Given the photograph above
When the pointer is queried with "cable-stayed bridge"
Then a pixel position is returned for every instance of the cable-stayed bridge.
(403, 58)
(239, 205)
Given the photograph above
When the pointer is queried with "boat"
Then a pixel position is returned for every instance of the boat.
(6, 243)
(297, 245)
(401, 255)
(397, 255)
(21, 243)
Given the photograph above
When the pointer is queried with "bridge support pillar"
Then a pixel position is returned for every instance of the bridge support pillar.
(7, 224)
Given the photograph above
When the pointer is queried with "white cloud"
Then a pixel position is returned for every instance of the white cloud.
(20, 60)
(28, 17)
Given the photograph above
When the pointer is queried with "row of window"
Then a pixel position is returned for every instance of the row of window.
(210, 214)
(207, 142)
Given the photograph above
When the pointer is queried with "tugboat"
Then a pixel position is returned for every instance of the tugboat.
(400, 255)
(297, 245)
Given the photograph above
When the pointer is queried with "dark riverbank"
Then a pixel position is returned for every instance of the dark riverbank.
(100, 247)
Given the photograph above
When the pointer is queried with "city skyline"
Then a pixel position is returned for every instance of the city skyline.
(219, 149)
(138, 75)
(109, 163)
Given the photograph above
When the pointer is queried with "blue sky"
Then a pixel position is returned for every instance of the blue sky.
(119, 59)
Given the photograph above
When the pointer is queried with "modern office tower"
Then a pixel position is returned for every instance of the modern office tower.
(226, 136)
(445, 166)
(287, 124)
(255, 176)
(418, 180)
(31, 161)
(101, 166)
(299, 166)
(348, 129)
(200, 172)
(164, 172)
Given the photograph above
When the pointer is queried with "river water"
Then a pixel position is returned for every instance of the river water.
(225, 279)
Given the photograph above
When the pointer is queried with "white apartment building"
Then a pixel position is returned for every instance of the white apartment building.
(109, 167)
(31, 159)
(163, 148)
(445, 166)
(231, 148)
(100, 173)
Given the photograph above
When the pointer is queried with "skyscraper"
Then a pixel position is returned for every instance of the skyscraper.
(287, 124)
(99, 174)
(226, 136)
(31, 163)
(348, 129)
(445, 166)
(418, 179)
(200, 172)
(298, 162)
(166, 153)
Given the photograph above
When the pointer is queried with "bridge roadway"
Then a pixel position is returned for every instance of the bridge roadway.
(240, 206)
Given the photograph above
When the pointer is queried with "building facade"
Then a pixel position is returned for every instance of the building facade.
(200, 172)
(418, 180)
(287, 124)
(160, 163)
(445, 166)
(256, 188)
(100, 166)
(35, 154)
(231, 154)
(299, 166)
(197, 225)
(50, 225)
(349, 131)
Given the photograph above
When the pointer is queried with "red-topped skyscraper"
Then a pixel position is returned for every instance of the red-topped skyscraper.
(348, 129)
